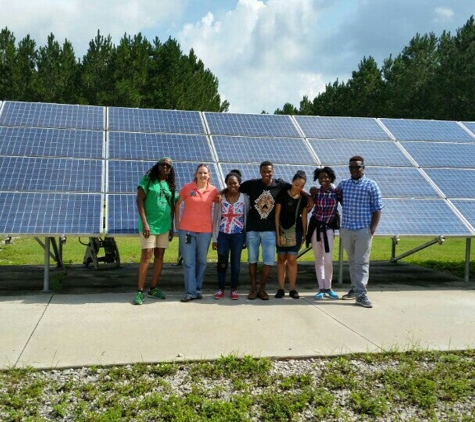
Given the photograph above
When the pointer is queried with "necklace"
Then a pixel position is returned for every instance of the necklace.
(294, 195)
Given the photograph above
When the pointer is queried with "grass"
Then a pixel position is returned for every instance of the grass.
(448, 257)
(386, 386)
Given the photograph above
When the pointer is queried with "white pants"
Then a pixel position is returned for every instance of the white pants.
(323, 260)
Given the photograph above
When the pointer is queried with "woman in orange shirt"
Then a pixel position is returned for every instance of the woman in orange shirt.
(195, 226)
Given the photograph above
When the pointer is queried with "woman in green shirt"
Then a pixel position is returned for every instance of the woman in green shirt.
(156, 197)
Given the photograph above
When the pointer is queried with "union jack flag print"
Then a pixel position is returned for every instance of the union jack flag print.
(232, 217)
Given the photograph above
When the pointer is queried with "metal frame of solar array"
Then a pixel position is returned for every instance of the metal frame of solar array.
(60, 162)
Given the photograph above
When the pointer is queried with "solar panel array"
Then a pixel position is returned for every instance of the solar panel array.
(74, 170)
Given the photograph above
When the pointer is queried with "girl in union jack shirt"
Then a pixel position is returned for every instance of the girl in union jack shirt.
(229, 232)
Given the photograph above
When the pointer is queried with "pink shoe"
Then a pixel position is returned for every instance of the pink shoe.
(233, 295)
(219, 294)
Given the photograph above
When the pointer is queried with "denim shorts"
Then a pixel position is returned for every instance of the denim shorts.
(291, 250)
(264, 239)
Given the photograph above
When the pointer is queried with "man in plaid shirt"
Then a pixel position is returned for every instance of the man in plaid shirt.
(361, 205)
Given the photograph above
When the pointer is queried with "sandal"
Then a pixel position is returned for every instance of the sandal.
(294, 294)
(263, 295)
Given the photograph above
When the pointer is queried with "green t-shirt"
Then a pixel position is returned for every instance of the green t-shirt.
(158, 204)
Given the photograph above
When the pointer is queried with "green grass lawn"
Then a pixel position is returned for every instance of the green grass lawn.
(448, 256)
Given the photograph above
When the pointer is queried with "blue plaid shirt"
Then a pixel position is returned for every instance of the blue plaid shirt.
(360, 199)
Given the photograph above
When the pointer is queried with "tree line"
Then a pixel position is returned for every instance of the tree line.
(432, 78)
(135, 73)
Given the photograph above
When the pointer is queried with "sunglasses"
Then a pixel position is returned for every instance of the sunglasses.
(166, 165)
(355, 167)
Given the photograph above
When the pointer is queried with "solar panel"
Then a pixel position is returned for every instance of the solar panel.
(124, 176)
(148, 146)
(256, 150)
(426, 130)
(341, 127)
(470, 126)
(46, 115)
(438, 154)
(35, 142)
(51, 214)
(467, 209)
(420, 217)
(454, 183)
(51, 174)
(251, 125)
(404, 182)
(151, 120)
(338, 152)
(122, 215)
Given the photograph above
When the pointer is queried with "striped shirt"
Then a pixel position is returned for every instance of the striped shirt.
(360, 199)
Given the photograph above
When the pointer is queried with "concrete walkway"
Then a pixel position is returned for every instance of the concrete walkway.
(81, 324)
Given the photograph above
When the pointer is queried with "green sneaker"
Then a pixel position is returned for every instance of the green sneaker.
(138, 299)
(156, 294)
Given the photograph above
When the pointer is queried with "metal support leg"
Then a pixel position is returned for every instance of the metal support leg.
(46, 273)
(467, 260)
(340, 262)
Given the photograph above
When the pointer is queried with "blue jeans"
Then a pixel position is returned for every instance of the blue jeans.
(194, 256)
(357, 244)
(264, 239)
(227, 243)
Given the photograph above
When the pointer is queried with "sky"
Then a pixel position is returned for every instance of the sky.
(265, 53)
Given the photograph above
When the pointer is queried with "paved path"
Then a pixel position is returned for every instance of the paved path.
(78, 326)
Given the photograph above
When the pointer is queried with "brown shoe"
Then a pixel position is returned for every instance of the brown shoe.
(252, 295)
(263, 295)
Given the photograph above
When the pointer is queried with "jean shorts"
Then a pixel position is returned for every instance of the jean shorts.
(264, 239)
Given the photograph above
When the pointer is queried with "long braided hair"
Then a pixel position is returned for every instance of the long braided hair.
(153, 174)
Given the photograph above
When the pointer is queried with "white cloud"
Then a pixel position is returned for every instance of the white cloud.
(79, 20)
(262, 49)
(443, 14)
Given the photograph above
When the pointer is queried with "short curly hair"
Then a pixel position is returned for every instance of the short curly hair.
(327, 170)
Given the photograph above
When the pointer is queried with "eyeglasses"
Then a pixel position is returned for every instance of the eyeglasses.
(355, 167)
(166, 165)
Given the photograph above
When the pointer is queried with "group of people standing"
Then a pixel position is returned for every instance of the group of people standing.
(266, 215)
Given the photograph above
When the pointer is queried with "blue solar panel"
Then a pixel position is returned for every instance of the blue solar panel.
(150, 120)
(341, 127)
(52, 115)
(51, 214)
(147, 146)
(438, 154)
(124, 176)
(338, 152)
(426, 130)
(51, 174)
(404, 182)
(471, 127)
(420, 217)
(256, 150)
(467, 209)
(454, 183)
(251, 125)
(34, 142)
(122, 215)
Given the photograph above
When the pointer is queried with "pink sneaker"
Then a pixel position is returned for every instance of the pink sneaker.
(233, 295)
(219, 294)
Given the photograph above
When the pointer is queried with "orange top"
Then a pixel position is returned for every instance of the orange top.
(196, 215)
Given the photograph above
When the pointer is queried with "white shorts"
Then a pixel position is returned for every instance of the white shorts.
(154, 241)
